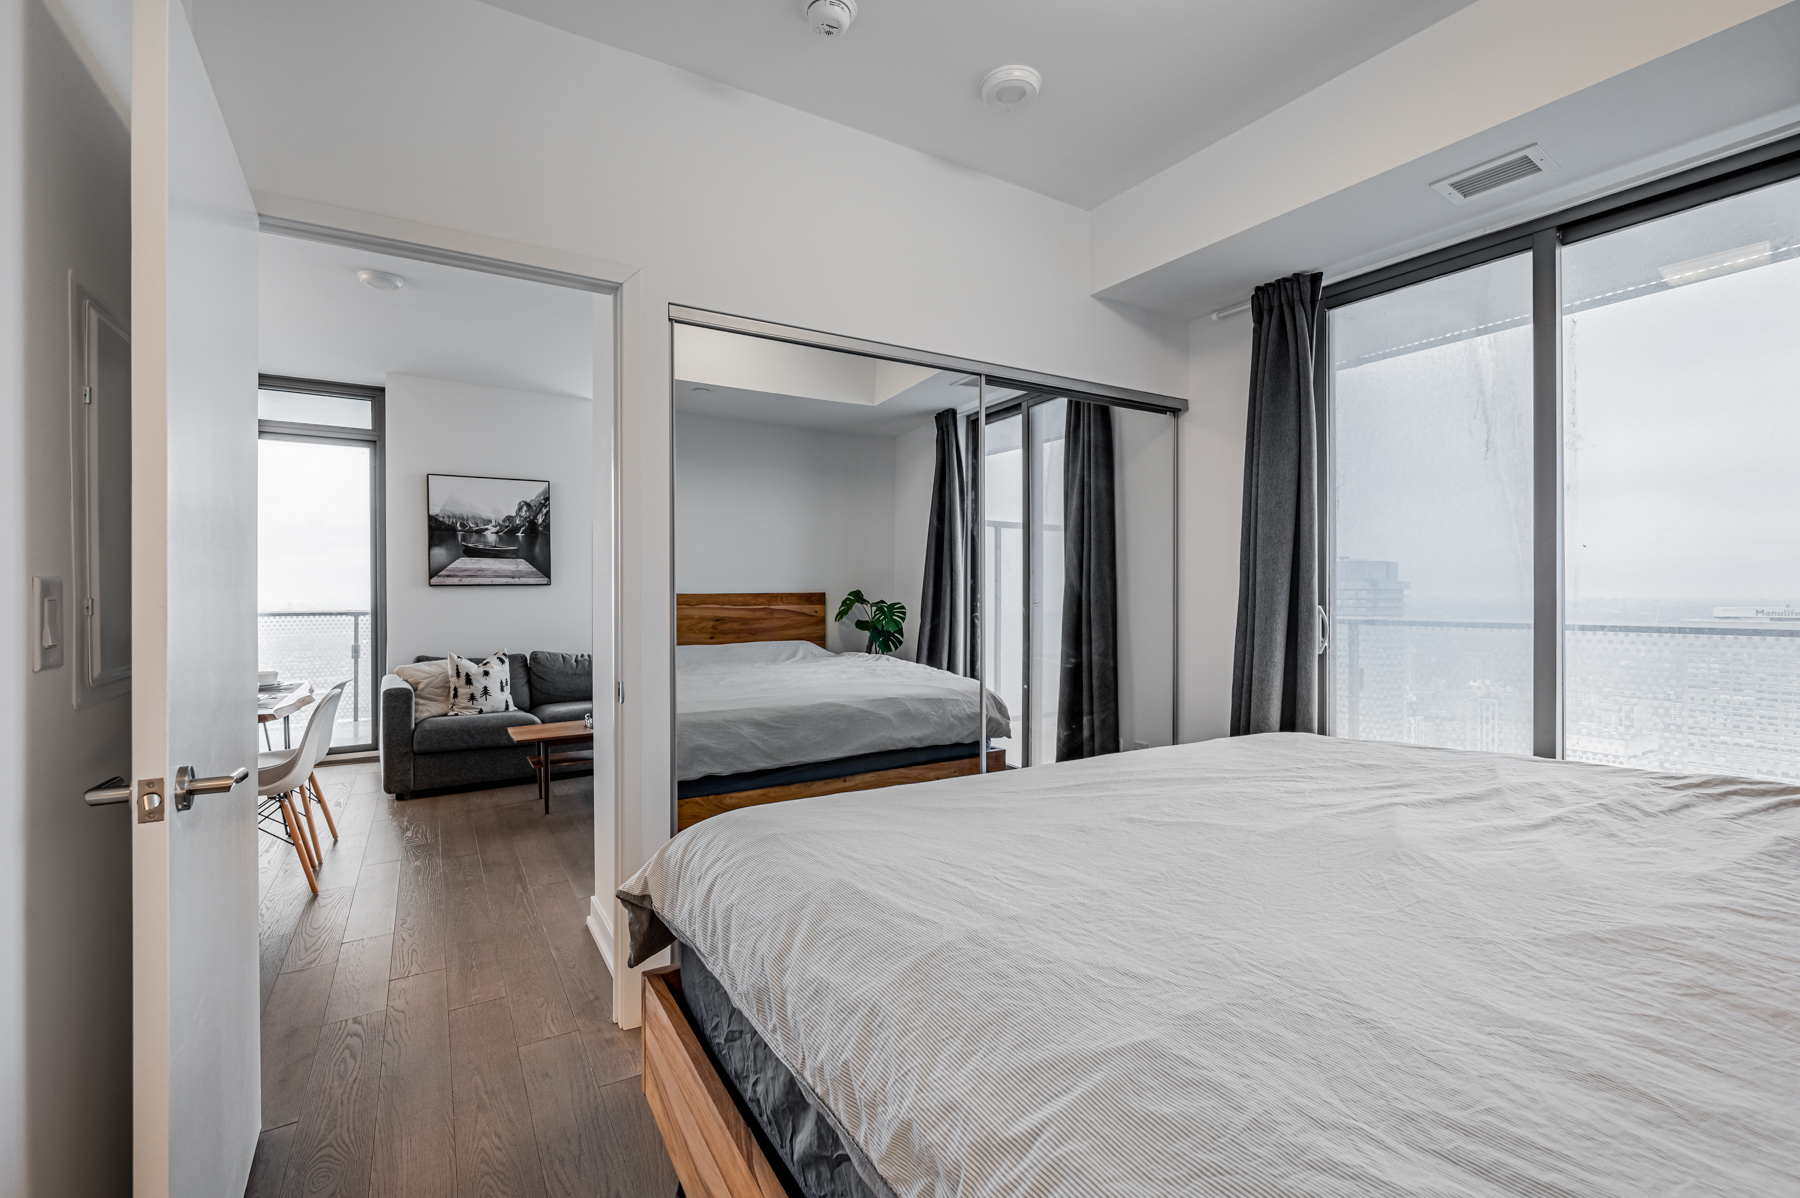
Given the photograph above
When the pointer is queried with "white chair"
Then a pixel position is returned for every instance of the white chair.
(286, 773)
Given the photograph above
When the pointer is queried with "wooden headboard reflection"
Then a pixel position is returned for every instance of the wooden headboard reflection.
(735, 618)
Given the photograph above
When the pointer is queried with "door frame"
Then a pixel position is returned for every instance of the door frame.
(333, 225)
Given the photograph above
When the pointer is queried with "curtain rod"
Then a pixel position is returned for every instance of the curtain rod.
(1228, 313)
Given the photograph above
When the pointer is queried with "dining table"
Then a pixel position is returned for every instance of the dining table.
(280, 703)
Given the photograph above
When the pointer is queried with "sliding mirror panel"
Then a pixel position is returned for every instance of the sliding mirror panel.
(1430, 509)
(1081, 573)
(827, 565)
(1682, 431)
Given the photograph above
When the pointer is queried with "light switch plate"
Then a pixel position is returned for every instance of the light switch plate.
(50, 624)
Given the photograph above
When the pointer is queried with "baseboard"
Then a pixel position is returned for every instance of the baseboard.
(599, 926)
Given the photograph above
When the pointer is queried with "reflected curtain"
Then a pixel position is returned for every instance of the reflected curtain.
(1087, 704)
(945, 598)
(1275, 668)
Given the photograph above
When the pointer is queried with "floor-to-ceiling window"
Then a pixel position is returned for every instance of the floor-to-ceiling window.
(1560, 497)
(318, 546)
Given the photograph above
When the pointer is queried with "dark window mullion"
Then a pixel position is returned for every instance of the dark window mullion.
(1547, 495)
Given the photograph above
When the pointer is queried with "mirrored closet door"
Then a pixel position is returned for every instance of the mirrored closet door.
(892, 571)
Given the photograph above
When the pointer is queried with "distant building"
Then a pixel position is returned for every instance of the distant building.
(1369, 589)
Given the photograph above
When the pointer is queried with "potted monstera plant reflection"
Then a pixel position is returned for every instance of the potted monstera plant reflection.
(885, 621)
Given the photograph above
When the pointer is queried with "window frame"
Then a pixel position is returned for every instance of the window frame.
(375, 439)
(1543, 238)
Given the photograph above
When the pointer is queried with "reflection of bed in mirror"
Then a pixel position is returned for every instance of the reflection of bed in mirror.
(764, 713)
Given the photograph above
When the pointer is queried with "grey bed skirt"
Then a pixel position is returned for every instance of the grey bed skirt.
(801, 1141)
(818, 771)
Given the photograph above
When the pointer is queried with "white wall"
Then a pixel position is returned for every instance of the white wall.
(1212, 482)
(65, 918)
(1144, 494)
(915, 466)
(763, 507)
(436, 427)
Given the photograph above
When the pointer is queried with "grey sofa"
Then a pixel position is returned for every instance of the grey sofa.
(475, 750)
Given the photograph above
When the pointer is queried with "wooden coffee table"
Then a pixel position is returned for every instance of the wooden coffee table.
(548, 738)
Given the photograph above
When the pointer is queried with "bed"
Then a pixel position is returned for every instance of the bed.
(1271, 965)
(764, 713)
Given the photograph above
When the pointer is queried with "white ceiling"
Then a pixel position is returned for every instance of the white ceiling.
(1129, 88)
(317, 321)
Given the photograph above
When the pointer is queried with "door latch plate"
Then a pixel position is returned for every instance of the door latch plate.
(150, 805)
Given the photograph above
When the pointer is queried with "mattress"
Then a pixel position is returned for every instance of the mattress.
(768, 705)
(1271, 965)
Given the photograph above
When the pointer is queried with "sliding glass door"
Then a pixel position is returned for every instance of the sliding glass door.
(1431, 505)
(1598, 420)
(1681, 402)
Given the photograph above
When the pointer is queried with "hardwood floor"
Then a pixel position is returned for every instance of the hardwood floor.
(437, 1021)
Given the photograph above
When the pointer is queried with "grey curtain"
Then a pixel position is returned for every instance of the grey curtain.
(945, 599)
(1087, 703)
(1275, 669)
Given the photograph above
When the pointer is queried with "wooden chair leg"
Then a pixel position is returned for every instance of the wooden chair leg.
(293, 827)
(311, 829)
(311, 854)
(319, 794)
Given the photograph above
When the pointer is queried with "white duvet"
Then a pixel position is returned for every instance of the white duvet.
(768, 704)
(1276, 965)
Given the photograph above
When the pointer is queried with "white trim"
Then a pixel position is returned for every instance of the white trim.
(393, 228)
(600, 927)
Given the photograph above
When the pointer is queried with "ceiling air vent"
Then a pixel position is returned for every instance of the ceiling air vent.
(1508, 168)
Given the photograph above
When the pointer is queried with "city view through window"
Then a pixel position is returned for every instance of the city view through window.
(1681, 428)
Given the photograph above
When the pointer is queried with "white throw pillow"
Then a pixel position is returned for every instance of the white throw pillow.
(430, 681)
(480, 687)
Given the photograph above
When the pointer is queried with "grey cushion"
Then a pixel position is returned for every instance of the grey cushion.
(517, 666)
(447, 732)
(560, 678)
(554, 713)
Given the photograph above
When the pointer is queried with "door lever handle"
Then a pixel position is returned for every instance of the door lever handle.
(187, 785)
(113, 790)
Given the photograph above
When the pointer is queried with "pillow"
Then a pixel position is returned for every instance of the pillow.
(480, 687)
(750, 652)
(430, 681)
(562, 677)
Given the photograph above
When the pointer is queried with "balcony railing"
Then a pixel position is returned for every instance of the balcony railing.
(1693, 698)
(323, 648)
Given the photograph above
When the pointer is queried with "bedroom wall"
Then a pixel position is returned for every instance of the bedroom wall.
(915, 465)
(1212, 481)
(1144, 462)
(762, 507)
(439, 427)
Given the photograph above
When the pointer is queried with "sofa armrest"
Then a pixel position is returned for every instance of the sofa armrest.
(396, 735)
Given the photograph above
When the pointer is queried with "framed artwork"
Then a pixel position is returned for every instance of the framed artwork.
(487, 532)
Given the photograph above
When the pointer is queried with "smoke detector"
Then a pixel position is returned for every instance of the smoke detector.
(1011, 87)
(380, 280)
(830, 17)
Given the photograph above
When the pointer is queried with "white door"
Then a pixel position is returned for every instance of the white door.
(196, 1067)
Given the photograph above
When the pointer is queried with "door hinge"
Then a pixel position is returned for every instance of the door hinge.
(87, 395)
(87, 606)
(619, 690)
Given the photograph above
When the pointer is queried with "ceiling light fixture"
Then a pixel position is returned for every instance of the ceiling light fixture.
(830, 17)
(380, 280)
(1011, 87)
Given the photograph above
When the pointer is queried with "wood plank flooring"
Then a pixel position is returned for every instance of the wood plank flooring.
(438, 1022)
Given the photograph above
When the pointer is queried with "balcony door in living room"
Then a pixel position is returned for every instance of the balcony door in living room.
(319, 618)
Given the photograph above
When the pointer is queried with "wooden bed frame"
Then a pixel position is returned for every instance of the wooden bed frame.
(710, 1143)
(735, 618)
